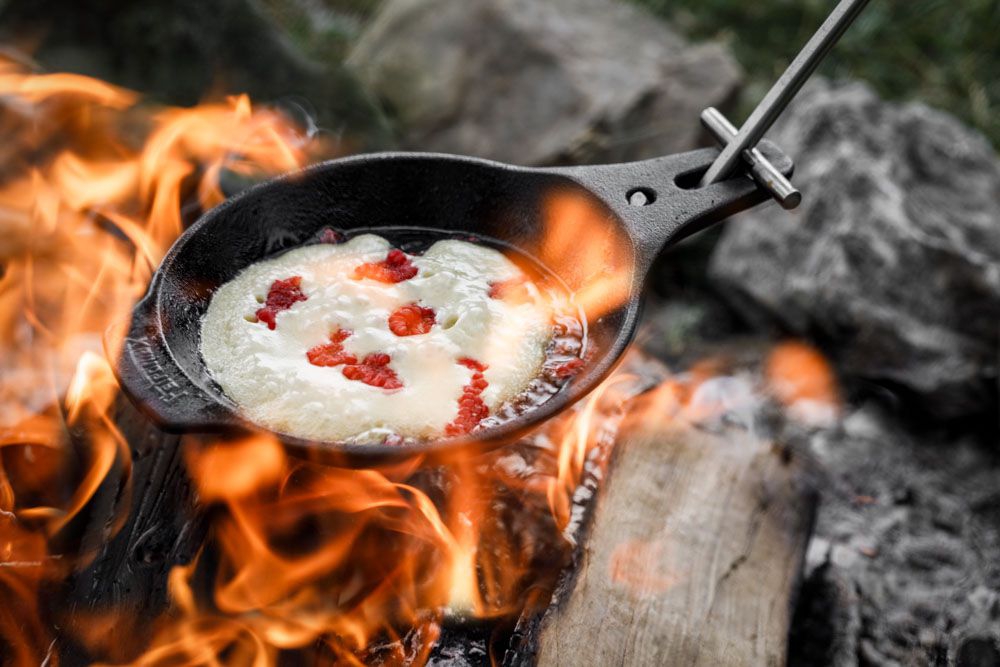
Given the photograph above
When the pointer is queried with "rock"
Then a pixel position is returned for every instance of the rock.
(893, 261)
(537, 82)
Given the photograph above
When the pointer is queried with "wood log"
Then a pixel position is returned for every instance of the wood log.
(693, 556)
(127, 578)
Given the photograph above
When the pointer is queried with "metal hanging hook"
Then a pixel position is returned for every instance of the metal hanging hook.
(784, 89)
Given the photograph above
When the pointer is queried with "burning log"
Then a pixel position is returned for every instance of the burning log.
(694, 553)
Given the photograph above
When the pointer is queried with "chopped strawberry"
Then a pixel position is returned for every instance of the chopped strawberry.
(332, 353)
(471, 408)
(395, 268)
(374, 371)
(331, 236)
(282, 295)
(411, 319)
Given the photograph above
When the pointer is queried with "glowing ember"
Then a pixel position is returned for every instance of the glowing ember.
(803, 381)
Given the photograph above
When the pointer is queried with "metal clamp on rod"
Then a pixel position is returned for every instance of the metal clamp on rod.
(763, 172)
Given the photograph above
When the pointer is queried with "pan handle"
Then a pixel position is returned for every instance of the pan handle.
(662, 200)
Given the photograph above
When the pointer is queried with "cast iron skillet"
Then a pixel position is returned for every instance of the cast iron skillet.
(161, 368)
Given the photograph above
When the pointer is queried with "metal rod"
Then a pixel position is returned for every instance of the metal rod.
(784, 89)
(763, 172)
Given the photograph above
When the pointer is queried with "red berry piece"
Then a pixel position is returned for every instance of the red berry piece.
(411, 320)
(395, 268)
(473, 364)
(374, 371)
(282, 295)
(471, 408)
(332, 353)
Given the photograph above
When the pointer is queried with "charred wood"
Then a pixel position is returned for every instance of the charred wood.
(122, 588)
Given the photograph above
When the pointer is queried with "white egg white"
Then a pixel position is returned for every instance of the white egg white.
(267, 373)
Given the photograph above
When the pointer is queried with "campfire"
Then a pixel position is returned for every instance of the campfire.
(121, 543)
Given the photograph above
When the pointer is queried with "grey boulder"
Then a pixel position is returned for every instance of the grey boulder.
(893, 261)
(540, 81)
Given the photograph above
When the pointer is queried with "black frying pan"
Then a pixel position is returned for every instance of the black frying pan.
(641, 207)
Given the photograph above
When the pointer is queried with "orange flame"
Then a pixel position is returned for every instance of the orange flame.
(86, 213)
(589, 251)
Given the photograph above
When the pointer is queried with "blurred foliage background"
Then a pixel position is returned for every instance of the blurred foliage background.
(943, 52)
(323, 29)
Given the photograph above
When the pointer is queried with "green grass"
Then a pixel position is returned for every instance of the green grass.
(943, 52)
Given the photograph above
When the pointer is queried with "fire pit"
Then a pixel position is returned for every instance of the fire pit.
(124, 542)
(157, 526)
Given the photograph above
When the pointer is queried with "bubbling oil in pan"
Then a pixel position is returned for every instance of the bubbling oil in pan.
(385, 412)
